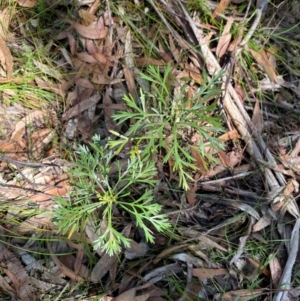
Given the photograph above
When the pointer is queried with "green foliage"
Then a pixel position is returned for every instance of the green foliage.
(163, 121)
(96, 193)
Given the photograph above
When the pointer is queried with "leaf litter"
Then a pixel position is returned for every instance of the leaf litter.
(225, 240)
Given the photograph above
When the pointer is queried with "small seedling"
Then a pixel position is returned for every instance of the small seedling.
(97, 193)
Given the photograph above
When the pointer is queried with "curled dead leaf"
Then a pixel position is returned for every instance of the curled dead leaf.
(93, 31)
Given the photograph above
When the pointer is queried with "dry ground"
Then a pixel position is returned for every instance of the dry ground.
(203, 97)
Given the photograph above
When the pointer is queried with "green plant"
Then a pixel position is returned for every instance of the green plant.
(97, 191)
(164, 121)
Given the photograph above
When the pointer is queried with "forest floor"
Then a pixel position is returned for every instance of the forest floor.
(149, 150)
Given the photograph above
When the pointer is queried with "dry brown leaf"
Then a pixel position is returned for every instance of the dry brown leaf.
(126, 296)
(262, 223)
(6, 59)
(289, 188)
(233, 45)
(27, 3)
(103, 79)
(246, 208)
(230, 135)
(110, 123)
(208, 273)
(183, 74)
(146, 61)
(68, 272)
(130, 83)
(35, 118)
(96, 30)
(291, 162)
(80, 268)
(230, 159)
(257, 267)
(72, 44)
(5, 17)
(17, 274)
(257, 117)
(47, 85)
(94, 7)
(168, 251)
(75, 263)
(87, 58)
(136, 250)
(9, 147)
(191, 292)
(105, 263)
(113, 106)
(296, 149)
(79, 93)
(156, 298)
(204, 241)
(5, 286)
(104, 298)
(242, 295)
(191, 194)
(175, 52)
(93, 234)
(194, 73)
(225, 38)
(39, 221)
(51, 71)
(221, 6)
(81, 107)
(86, 16)
(275, 269)
(142, 297)
(262, 60)
(213, 171)
(130, 295)
(125, 282)
(240, 91)
(95, 52)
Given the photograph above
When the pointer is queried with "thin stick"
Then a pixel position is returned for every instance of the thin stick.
(254, 24)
